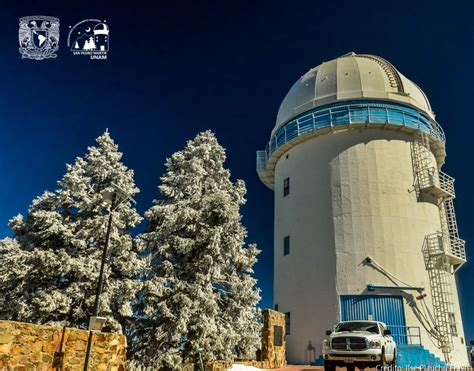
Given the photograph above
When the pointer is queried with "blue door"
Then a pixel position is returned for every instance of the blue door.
(384, 308)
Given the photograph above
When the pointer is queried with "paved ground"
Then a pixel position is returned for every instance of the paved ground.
(306, 367)
(300, 368)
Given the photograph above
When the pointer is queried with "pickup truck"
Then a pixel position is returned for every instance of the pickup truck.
(359, 343)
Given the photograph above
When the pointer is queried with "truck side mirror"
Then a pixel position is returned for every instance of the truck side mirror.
(387, 332)
(328, 332)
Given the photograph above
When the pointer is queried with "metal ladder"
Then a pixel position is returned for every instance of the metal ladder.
(456, 244)
(443, 251)
(440, 294)
(421, 161)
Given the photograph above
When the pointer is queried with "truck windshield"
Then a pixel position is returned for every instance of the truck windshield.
(357, 326)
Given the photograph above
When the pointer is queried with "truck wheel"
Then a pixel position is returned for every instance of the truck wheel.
(383, 359)
(329, 366)
(350, 367)
(394, 362)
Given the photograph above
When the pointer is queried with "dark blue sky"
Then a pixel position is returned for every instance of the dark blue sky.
(177, 68)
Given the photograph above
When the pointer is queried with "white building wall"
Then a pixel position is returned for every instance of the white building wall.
(349, 199)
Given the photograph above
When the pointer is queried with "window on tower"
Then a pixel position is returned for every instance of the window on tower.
(287, 323)
(452, 324)
(286, 187)
(286, 245)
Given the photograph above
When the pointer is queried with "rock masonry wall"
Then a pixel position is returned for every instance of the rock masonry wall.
(28, 347)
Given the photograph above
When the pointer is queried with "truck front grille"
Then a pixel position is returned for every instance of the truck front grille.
(349, 343)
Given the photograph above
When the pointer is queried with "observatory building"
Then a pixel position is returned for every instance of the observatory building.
(364, 219)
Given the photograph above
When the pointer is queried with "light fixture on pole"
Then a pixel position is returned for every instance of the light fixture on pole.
(114, 198)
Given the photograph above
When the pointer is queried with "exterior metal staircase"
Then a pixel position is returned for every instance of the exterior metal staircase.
(440, 294)
(443, 251)
(410, 356)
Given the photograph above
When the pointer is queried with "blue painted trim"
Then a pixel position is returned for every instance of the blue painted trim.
(350, 113)
(319, 361)
(371, 287)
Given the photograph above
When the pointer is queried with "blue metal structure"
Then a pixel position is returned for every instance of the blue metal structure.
(371, 287)
(384, 308)
(411, 356)
(348, 114)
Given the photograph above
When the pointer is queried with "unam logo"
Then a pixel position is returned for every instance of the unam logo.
(89, 37)
(38, 36)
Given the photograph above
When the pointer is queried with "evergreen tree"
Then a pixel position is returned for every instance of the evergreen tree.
(92, 45)
(200, 303)
(50, 267)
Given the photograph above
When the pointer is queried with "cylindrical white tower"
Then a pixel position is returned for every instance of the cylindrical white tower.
(364, 219)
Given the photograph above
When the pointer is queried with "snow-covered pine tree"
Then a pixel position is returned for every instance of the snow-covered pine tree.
(50, 267)
(200, 303)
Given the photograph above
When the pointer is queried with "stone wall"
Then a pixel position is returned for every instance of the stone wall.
(28, 347)
(273, 351)
(273, 339)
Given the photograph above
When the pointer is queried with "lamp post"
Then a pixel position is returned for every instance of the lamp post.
(96, 322)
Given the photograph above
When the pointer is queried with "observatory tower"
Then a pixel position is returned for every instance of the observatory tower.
(364, 219)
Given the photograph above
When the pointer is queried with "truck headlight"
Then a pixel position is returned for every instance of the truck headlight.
(375, 344)
(325, 343)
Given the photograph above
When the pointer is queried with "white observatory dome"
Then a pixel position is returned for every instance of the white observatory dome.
(355, 164)
(101, 29)
(351, 77)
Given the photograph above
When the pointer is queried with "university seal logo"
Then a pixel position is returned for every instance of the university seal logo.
(38, 37)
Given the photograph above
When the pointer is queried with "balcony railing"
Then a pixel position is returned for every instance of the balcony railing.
(451, 249)
(436, 182)
(406, 334)
(261, 160)
(347, 114)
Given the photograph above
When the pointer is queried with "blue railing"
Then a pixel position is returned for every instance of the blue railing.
(347, 114)
(406, 334)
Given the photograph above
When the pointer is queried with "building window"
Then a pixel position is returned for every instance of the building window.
(276, 307)
(452, 324)
(286, 245)
(286, 187)
(287, 322)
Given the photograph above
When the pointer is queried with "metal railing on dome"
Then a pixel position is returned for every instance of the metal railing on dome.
(347, 114)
